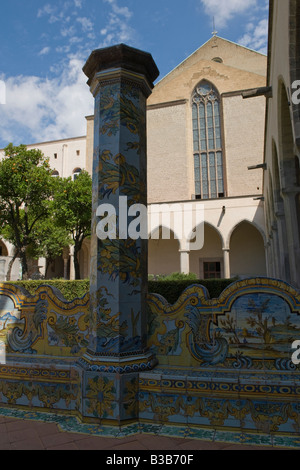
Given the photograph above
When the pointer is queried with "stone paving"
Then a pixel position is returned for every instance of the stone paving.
(21, 434)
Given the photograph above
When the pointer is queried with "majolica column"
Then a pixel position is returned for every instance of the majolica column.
(121, 79)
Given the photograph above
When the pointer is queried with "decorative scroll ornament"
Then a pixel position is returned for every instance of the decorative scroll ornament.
(22, 340)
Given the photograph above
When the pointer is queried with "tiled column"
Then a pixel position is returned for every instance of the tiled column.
(120, 78)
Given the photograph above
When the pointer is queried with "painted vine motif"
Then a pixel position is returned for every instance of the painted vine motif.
(111, 332)
(120, 259)
(65, 331)
(118, 108)
(115, 173)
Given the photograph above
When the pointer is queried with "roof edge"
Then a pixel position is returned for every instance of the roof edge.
(210, 39)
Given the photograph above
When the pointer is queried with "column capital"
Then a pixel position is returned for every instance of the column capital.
(111, 60)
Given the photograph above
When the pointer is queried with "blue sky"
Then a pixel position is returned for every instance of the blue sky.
(44, 46)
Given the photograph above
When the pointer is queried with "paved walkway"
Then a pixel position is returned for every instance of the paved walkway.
(20, 434)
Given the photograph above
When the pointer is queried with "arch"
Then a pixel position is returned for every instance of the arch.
(163, 254)
(84, 258)
(288, 168)
(270, 198)
(247, 250)
(286, 139)
(76, 172)
(3, 249)
(250, 222)
(294, 47)
(207, 224)
(208, 149)
(164, 231)
(272, 246)
(3, 260)
(55, 173)
(211, 252)
(276, 174)
(279, 215)
(268, 213)
(55, 268)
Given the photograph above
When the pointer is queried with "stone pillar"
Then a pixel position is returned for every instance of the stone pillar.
(275, 247)
(271, 255)
(226, 261)
(291, 217)
(72, 268)
(184, 261)
(120, 79)
(2, 269)
(268, 265)
(283, 254)
(66, 258)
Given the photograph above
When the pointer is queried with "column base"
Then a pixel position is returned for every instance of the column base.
(110, 387)
(116, 364)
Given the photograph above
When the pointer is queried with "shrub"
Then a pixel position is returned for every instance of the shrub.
(171, 290)
(173, 277)
(167, 286)
(70, 289)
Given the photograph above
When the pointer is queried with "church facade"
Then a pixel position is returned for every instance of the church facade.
(205, 149)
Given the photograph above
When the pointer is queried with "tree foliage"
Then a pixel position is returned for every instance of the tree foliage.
(73, 210)
(26, 188)
(41, 215)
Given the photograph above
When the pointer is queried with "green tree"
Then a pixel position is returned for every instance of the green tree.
(26, 188)
(51, 239)
(73, 210)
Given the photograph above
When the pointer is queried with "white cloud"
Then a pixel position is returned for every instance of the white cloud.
(46, 109)
(118, 28)
(40, 109)
(51, 12)
(68, 31)
(78, 3)
(255, 14)
(46, 10)
(45, 50)
(86, 23)
(224, 10)
(122, 11)
(72, 26)
(256, 36)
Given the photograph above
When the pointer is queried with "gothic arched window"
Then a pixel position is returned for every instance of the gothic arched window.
(208, 151)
